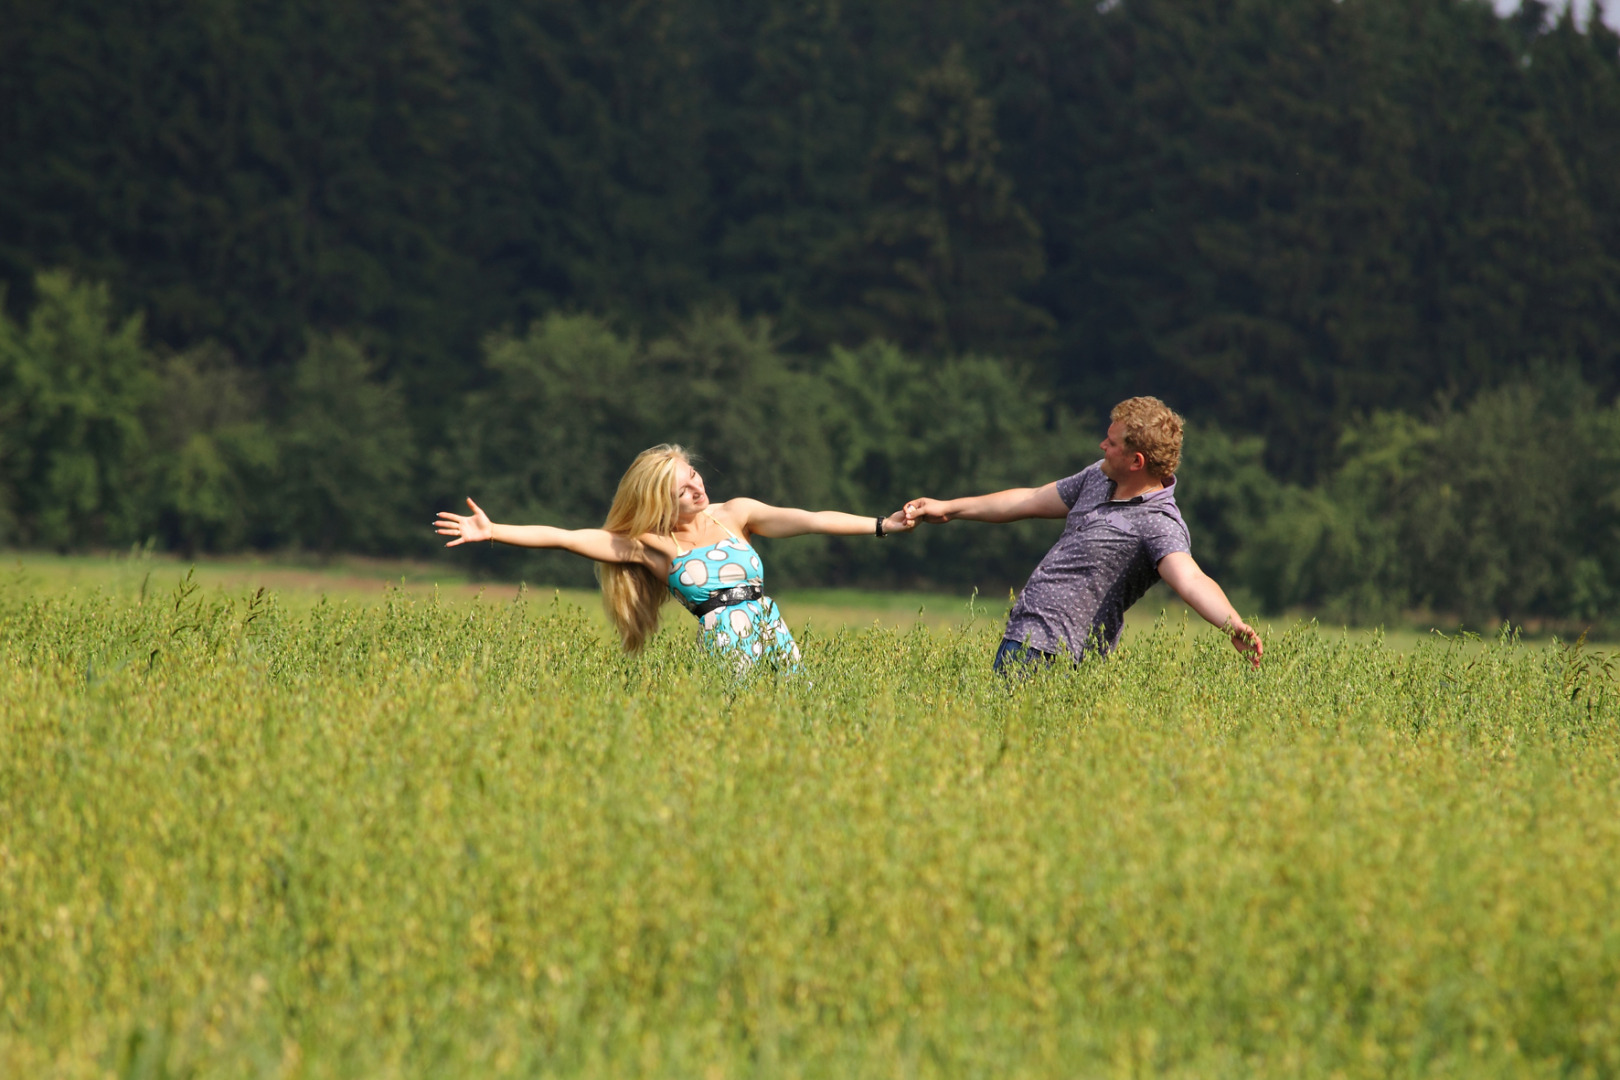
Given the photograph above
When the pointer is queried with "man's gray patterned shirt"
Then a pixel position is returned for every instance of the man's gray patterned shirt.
(1107, 557)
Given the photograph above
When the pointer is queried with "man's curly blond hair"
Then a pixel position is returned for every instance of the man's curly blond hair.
(1152, 429)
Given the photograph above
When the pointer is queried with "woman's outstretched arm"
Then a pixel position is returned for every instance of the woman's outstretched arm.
(598, 544)
(776, 522)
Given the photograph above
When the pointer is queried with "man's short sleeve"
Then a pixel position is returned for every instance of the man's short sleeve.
(1164, 534)
(1069, 487)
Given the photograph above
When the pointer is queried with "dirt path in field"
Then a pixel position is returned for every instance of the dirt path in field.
(359, 579)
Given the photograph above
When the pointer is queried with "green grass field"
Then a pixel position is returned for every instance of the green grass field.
(357, 581)
(393, 833)
(300, 584)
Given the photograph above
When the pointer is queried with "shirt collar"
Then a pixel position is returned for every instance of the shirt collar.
(1168, 491)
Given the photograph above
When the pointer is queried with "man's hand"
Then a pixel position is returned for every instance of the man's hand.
(932, 511)
(1246, 639)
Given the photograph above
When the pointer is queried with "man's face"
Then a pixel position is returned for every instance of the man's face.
(1117, 461)
(690, 496)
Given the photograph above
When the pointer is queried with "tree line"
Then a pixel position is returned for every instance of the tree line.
(1296, 213)
(1501, 506)
(1293, 219)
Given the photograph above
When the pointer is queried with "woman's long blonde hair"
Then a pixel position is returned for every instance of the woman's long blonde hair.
(644, 503)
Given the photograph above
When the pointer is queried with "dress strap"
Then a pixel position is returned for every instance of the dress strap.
(679, 554)
(722, 524)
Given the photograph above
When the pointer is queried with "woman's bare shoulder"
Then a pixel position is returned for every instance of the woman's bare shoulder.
(736, 514)
(663, 545)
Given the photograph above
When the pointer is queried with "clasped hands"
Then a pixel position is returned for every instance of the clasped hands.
(929, 510)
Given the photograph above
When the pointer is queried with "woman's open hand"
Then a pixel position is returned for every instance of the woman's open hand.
(465, 529)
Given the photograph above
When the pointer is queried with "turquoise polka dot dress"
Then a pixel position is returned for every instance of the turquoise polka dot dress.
(746, 631)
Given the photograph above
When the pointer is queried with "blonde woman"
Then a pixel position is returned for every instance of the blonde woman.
(664, 538)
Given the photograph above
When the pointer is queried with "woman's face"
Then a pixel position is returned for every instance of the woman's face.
(690, 498)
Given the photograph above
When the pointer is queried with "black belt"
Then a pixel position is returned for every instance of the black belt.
(737, 594)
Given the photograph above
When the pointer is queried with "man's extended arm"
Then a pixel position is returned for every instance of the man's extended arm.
(1014, 504)
(1204, 596)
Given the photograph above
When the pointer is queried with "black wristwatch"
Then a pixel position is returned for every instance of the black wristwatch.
(880, 533)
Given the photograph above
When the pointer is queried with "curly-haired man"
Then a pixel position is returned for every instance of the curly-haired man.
(1123, 532)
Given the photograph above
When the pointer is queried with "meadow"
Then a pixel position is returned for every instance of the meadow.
(272, 832)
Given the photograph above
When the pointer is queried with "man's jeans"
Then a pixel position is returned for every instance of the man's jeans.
(1016, 658)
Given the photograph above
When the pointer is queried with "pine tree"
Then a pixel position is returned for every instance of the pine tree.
(1575, 78)
(946, 250)
(244, 172)
(785, 149)
(588, 189)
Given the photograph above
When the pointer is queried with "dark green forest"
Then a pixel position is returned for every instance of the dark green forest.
(295, 275)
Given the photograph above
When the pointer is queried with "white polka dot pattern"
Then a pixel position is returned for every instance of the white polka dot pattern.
(748, 631)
